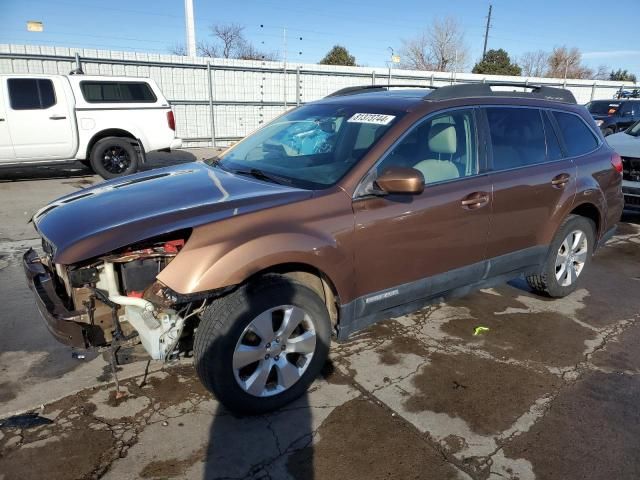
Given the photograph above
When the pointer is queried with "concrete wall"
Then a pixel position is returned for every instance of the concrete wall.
(245, 94)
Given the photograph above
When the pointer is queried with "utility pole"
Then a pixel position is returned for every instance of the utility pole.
(486, 33)
(190, 28)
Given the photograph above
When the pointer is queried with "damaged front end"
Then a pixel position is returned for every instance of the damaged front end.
(115, 299)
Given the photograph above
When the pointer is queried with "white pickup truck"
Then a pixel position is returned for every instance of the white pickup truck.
(108, 123)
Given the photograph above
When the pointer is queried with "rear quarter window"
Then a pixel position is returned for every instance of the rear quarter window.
(578, 137)
(117, 92)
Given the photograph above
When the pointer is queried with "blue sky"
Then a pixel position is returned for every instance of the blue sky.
(366, 28)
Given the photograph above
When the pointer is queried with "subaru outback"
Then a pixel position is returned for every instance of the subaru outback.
(368, 204)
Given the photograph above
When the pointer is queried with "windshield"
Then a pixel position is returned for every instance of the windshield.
(605, 107)
(310, 147)
(633, 130)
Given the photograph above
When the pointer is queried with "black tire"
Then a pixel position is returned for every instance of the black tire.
(222, 325)
(545, 282)
(113, 157)
(608, 131)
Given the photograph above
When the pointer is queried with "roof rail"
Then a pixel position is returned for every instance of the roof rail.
(372, 88)
(484, 90)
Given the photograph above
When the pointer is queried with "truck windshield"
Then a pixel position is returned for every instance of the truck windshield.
(312, 146)
(603, 107)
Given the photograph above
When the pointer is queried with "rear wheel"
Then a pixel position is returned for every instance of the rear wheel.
(569, 255)
(113, 157)
(261, 346)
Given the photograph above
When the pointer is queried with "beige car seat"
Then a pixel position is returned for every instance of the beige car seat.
(443, 142)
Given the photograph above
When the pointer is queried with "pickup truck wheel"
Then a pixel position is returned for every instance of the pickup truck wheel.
(261, 346)
(569, 255)
(113, 157)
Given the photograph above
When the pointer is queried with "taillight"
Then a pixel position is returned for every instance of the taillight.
(171, 120)
(616, 162)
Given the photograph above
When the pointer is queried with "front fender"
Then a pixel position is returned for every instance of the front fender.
(315, 232)
(214, 267)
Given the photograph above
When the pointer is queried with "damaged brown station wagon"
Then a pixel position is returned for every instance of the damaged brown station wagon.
(368, 204)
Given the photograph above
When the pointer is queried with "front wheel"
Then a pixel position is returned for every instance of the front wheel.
(113, 157)
(568, 258)
(261, 346)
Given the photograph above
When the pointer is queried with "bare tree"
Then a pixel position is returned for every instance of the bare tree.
(247, 51)
(231, 37)
(534, 64)
(441, 48)
(415, 53)
(602, 73)
(208, 49)
(178, 49)
(567, 63)
(229, 42)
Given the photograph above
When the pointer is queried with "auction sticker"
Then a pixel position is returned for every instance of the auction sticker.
(375, 118)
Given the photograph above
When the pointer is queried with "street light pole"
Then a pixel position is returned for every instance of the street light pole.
(190, 28)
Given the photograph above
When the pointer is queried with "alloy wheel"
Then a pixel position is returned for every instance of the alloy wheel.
(571, 257)
(115, 159)
(274, 351)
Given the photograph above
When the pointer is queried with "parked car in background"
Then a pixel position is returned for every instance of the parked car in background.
(366, 205)
(635, 93)
(627, 144)
(613, 116)
(108, 123)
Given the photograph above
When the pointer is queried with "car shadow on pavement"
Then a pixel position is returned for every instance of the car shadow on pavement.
(79, 170)
(259, 446)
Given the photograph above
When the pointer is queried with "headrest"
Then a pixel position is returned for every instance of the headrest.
(442, 138)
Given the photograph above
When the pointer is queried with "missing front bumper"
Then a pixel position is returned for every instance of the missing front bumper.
(71, 328)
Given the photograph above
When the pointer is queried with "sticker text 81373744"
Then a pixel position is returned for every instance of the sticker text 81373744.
(375, 118)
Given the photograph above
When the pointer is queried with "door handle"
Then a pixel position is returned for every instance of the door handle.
(1, 119)
(560, 181)
(57, 117)
(475, 200)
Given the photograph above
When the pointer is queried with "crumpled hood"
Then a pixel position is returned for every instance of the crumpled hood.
(114, 214)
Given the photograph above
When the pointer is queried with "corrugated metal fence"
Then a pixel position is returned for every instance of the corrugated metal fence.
(221, 100)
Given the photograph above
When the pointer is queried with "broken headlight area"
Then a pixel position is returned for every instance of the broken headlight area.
(121, 296)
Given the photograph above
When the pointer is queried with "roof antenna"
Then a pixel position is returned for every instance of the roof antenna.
(78, 70)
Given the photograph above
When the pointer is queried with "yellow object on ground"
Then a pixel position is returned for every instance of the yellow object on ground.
(480, 330)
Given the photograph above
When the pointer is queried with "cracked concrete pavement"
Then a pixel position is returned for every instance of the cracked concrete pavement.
(550, 391)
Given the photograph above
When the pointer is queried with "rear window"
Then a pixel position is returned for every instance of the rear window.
(117, 92)
(31, 93)
(603, 107)
(517, 137)
(578, 137)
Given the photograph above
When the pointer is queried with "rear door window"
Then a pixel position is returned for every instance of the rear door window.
(517, 137)
(117, 92)
(31, 93)
(578, 137)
